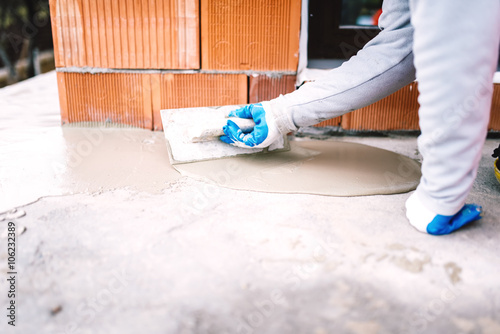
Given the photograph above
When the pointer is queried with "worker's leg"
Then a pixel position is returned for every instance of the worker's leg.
(456, 51)
(382, 67)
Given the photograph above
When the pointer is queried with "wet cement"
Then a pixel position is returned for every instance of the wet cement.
(313, 167)
(41, 158)
(53, 160)
(57, 161)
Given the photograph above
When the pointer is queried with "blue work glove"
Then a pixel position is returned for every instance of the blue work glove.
(428, 222)
(264, 133)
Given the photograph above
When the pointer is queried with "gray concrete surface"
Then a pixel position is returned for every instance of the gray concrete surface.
(195, 258)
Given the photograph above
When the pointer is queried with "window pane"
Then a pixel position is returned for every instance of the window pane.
(360, 13)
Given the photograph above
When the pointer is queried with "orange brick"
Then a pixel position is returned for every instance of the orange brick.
(120, 98)
(126, 33)
(250, 35)
(63, 97)
(398, 111)
(196, 90)
(265, 88)
(495, 109)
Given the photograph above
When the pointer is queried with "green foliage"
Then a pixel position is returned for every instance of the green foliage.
(15, 12)
(24, 25)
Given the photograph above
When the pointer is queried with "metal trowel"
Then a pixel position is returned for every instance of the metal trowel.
(192, 134)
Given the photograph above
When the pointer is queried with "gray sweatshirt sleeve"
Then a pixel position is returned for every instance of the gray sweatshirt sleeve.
(382, 67)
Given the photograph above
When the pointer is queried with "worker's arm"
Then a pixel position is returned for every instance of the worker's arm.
(382, 67)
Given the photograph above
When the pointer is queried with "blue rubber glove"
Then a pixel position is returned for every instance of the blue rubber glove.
(263, 134)
(428, 222)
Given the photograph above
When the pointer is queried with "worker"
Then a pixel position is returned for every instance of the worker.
(451, 48)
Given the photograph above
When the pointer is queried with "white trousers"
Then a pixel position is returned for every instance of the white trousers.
(451, 47)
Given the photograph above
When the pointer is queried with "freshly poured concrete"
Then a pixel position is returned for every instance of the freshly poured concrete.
(45, 159)
(59, 161)
(40, 158)
(185, 256)
(314, 167)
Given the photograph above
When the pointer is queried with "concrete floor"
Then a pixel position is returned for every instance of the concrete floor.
(184, 257)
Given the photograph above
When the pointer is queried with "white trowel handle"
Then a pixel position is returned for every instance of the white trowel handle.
(213, 130)
(245, 124)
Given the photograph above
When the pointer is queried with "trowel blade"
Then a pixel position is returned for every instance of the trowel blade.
(178, 122)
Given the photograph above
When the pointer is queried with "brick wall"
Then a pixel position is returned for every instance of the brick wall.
(123, 61)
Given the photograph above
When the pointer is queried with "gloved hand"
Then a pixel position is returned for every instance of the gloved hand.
(268, 128)
(426, 221)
